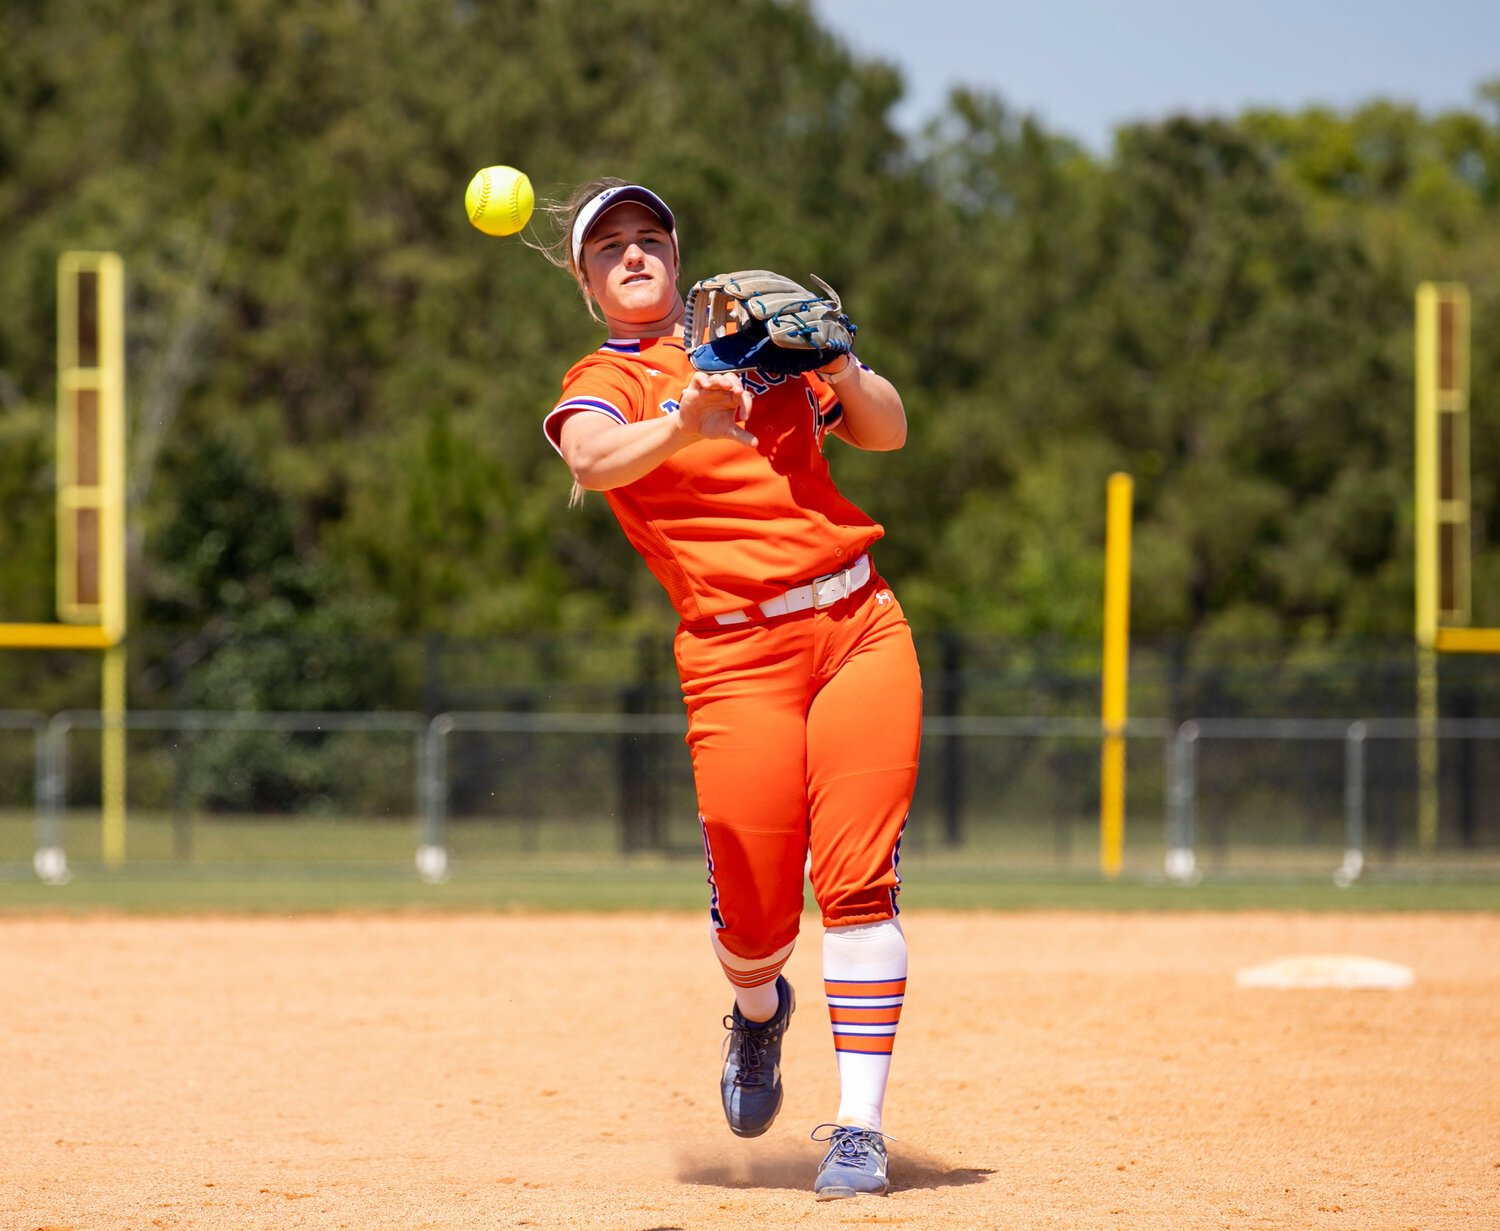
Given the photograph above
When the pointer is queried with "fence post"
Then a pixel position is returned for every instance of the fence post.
(432, 777)
(1354, 806)
(1181, 861)
(51, 859)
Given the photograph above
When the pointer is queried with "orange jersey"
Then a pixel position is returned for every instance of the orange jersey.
(721, 525)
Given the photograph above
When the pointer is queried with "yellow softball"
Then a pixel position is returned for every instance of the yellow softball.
(499, 200)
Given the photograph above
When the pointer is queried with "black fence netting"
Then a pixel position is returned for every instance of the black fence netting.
(1028, 794)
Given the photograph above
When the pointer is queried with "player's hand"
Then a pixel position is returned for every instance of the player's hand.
(713, 407)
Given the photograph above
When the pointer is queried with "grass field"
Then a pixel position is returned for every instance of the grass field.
(654, 884)
(327, 862)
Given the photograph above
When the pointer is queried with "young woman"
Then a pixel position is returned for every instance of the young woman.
(797, 665)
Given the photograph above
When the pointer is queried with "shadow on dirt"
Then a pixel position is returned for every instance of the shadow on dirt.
(791, 1167)
(918, 1170)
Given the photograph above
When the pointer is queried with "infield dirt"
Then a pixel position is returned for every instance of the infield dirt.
(434, 1071)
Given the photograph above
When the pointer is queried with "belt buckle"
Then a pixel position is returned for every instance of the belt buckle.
(830, 588)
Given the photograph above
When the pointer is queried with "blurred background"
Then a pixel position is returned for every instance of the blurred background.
(1073, 256)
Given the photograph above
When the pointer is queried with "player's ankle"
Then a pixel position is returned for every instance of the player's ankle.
(759, 1005)
(859, 1116)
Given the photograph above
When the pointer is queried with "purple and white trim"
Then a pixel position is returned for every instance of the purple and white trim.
(552, 424)
(896, 869)
(713, 897)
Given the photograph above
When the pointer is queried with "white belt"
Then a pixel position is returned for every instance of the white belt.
(820, 592)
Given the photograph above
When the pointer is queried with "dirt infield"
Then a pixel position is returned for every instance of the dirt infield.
(425, 1071)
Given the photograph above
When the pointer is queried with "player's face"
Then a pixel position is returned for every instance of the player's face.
(630, 265)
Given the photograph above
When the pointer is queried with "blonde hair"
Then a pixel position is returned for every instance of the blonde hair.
(561, 215)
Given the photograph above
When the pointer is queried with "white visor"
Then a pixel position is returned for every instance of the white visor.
(608, 199)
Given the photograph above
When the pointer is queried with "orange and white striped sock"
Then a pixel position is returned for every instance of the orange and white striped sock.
(753, 979)
(864, 979)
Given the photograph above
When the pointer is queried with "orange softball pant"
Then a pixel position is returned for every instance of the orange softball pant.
(804, 731)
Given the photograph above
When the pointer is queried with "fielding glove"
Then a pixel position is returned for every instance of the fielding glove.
(758, 319)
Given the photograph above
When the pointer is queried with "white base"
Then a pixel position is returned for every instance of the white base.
(432, 864)
(1327, 970)
(1349, 870)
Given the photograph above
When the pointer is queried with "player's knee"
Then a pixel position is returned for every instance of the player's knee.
(849, 907)
(754, 938)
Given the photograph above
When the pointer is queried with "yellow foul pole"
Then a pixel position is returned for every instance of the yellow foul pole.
(112, 834)
(91, 503)
(1427, 563)
(1116, 658)
(1442, 518)
(113, 700)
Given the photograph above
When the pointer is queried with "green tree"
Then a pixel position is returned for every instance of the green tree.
(337, 384)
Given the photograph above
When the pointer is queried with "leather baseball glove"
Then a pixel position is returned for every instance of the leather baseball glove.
(758, 319)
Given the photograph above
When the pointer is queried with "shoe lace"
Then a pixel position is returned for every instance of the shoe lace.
(749, 1044)
(848, 1146)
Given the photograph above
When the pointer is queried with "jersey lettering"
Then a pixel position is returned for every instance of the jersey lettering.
(759, 382)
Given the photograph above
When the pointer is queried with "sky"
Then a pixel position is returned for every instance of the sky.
(1084, 68)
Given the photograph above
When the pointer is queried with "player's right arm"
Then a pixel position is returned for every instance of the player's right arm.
(603, 453)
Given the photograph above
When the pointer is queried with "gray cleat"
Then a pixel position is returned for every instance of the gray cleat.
(855, 1163)
(751, 1082)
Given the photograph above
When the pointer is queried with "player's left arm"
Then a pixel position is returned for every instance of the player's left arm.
(873, 417)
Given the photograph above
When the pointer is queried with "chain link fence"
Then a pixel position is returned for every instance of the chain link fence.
(218, 793)
(346, 756)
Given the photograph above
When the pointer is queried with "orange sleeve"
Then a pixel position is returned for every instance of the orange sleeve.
(598, 385)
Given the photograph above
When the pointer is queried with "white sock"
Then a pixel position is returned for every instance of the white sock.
(864, 979)
(753, 979)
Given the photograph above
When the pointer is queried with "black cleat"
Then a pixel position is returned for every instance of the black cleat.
(751, 1082)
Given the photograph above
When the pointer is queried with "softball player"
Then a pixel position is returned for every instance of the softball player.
(797, 665)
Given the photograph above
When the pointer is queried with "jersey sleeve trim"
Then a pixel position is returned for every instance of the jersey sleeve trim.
(828, 411)
(830, 417)
(560, 413)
